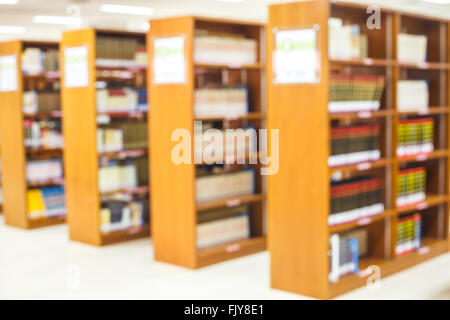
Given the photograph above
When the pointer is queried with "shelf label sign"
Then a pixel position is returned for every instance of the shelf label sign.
(8, 73)
(296, 58)
(76, 67)
(169, 62)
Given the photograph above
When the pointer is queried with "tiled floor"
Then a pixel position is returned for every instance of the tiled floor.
(43, 264)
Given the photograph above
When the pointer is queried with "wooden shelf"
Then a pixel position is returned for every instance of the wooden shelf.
(173, 187)
(364, 62)
(424, 65)
(249, 116)
(424, 157)
(39, 115)
(430, 201)
(136, 190)
(231, 251)
(430, 249)
(124, 154)
(429, 111)
(363, 166)
(125, 235)
(299, 194)
(15, 155)
(231, 202)
(82, 160)
(46, 222)
(362, 222)
(256, 66)
(362, 115)
(51, 182)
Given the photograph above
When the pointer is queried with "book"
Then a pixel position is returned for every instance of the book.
(221, 102)
(412, 95)
(354, 144)
(116, 175)
(226, 185)
(408, 234)
(36, 61)
(354, 199)
(222, 226)
(415, 136)
(118, 215)
(355, 93)
(411, 48)
(344, 257)
(46, 202)
(45, 134)
(42, 171)
(117, 100)
(346, 41)
(43, 101)
(222, 48)
(411, 184)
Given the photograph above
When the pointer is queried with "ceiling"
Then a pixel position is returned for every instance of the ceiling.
(22, 13)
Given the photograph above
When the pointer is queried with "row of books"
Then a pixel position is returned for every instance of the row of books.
(43, 134)
(123, 136)
(222, 226)
(354, 199)
(130, 174)
(122, 215)
(411, 48)
(225, 185)
(215, 145)
(346, 41)
(44, 101)
(345, 251)
(411, 185)
(120, 48)
(41, 171)
(46, 202)
(36, 61)
(221, 102)
(412, 95)
(121, 100)
(415, 136)
(351, 93)
(222, 48)
(408, 234)
(354, 144)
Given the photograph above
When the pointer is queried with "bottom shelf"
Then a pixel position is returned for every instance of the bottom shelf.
(430, 248)
(125, 235)
(45, 222)
(230, 251)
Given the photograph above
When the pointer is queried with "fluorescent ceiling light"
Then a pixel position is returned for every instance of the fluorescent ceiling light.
(117, 8)
(438, 1)
(9, 1)
(12, 29)
(57, 20)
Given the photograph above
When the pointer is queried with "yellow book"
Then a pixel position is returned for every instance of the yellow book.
(35, 204)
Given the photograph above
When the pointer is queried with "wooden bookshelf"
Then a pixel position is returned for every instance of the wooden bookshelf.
(299, 195)
(12, 131)
(83, 160)
(172, 187)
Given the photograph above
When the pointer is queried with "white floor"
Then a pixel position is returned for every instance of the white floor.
(43, 264)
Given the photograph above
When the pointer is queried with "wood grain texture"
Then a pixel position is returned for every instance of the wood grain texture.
(172, 187)
(298, 195)
(12, 146)
(80, 158)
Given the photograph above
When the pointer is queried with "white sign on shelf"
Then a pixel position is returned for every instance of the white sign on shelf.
(76, 68)
(296, 58)
(169, 63)
(8, 73)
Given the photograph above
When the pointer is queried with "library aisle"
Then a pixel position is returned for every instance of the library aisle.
(124, 272)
